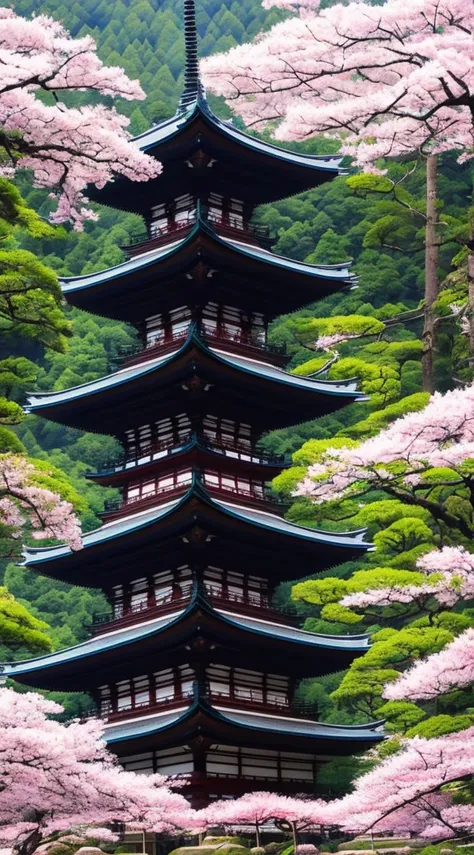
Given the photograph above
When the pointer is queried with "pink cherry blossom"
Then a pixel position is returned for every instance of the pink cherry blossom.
(23, 504)
(260, 808)
(386, 79)
(439, 436)
(56, 777)
(402, 794)
(451, 668)
(66, 148)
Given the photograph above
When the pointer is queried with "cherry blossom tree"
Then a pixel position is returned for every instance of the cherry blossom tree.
(65, 147)
(452, 668)
(422, 458)
(406, 67)
(388, 81)
(291, 814)
(55, 777)
(27, 505)
(446, 577)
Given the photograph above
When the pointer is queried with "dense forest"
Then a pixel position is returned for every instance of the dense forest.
(377, 223)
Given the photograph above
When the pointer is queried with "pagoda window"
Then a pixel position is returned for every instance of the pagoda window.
(133, 694)
(234, 484)
(226, 432)
(259, 764)
(117, 601)
(142, 764)
(168, 761)
(154, 330)
(236, 586)
(184, 209)
(174, 761)
(252, 686)
(138, 490)
(234, 324)
(223, 761)
(165, 218)
(215, 207)
(172, 585)
(105, 701)
(236, 213)
(180, 320)
(139, 595)
(173, 683)
(159, 220)
(161, 328)
(227, 211)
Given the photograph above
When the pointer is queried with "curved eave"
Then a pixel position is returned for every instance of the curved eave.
(155, 461)
(51, 670)
(65, 406)
(200, 718)
(334, 275)
(176, 139)
(40, 670)
(114, 535)
(149, 141)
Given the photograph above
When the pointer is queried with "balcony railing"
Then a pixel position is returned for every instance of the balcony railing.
(158, 605)
(228, 226)
(235, 342)
(253, 499)
(167, 448)
(170, 698)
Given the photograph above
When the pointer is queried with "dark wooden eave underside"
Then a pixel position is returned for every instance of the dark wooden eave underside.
(203, 267)
(185, 145)
(197, 528)
(197, 636)
(194, 379)
(203, 721)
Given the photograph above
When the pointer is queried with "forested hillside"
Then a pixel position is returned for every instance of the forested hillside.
(381, 231)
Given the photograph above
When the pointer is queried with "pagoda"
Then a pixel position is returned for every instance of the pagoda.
(193, 670)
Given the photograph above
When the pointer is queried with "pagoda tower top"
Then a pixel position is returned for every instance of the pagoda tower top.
(198, 148)
(193, 89)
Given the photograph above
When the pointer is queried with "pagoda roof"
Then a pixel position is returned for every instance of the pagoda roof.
(196, 137)
(201, 718)
(233, 386)
(230, 636)
(110, 553)
(271, 283)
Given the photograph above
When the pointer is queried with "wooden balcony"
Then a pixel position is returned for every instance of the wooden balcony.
(168, 448)
(248, 604)
(233, 343)
(250, 233)
(116, 508)
(176, 699)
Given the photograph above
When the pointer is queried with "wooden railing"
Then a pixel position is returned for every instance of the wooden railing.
(245, 603)
(250, 498)
(241, 698)
(224, 225)
(240, 343)
(171, 446)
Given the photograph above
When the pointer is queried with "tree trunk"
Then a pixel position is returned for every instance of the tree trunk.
(431, 276)
(257, 833)
(293, 833)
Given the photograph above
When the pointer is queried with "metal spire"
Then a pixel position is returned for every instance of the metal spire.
(193, 87)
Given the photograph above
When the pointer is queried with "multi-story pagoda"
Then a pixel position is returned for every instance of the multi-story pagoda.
(193, 671)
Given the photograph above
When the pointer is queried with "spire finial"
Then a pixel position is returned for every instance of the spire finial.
(192, 84)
